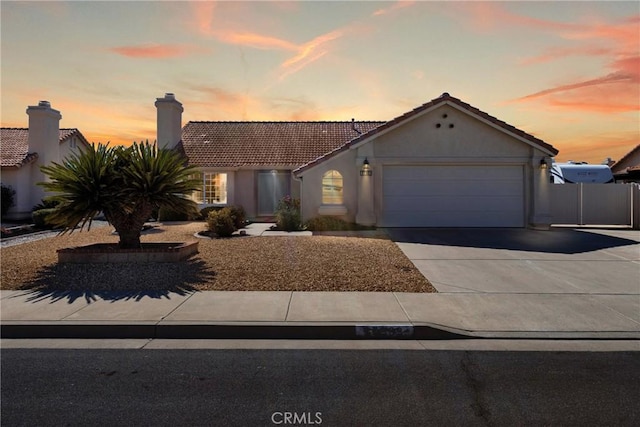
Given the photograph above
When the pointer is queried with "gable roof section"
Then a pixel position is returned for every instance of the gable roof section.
(15, 145)
(619, 166)
(445, 98)
(268, 144)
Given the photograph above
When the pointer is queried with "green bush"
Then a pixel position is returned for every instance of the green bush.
(40, 217)
(48, 203)
(239, 216)
(204, 212)
(221, 222)
(166, 214)
(288, 216)
(7, 198)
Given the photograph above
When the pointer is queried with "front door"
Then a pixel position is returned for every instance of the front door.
(272, 187)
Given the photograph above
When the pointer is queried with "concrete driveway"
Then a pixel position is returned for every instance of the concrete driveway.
(508, 280)
(521, 261)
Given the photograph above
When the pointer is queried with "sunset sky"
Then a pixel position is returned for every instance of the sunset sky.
(567, 72)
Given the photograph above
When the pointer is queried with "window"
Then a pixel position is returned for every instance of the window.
(213, 190)
(332, 188)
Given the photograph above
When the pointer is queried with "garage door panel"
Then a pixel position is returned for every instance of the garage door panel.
(444, 203)
(415, 188)
(454, 219)
(453, 196)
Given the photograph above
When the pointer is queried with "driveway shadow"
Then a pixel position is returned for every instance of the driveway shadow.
(116, 282)
(556, 240)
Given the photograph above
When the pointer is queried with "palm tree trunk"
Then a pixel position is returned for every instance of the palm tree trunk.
(129, 226)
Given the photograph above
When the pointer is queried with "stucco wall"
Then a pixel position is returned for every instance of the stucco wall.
(344, 163)
(66, 149)
(468, 141)
(20, 181)
(244, 194)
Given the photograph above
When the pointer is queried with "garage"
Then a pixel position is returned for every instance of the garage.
(453, 196)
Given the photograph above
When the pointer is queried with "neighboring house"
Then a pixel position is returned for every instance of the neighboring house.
(627, 169)
(443, 164)
(24, 150)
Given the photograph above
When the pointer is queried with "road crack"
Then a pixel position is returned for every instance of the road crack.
(477, 388)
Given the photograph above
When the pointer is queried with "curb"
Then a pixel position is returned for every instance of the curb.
(288, 331)
(152, 330)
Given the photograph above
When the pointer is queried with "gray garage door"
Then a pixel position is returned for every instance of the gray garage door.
(453, 196)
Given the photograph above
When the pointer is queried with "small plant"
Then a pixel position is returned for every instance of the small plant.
(288, 216)
(7, 198)
(221, 222)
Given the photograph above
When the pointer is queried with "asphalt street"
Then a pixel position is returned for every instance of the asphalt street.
(120, 387)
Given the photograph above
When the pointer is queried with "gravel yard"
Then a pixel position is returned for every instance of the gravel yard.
(300, 263)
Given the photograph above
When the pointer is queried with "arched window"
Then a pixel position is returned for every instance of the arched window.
(332, 188)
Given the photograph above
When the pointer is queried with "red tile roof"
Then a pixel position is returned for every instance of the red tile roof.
(15, 145)
(265, 144)
(445, 97)
(617, 167)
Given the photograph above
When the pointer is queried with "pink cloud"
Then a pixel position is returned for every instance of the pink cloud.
(304, 53)
(254, 40)
(554, 53)
(156, 51)
(397, 5)
(615, 90)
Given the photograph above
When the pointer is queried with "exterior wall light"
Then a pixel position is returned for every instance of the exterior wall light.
(366, 168)
(543, 163)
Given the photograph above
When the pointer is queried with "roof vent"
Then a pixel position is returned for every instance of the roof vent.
(445, 94)
(353, 125)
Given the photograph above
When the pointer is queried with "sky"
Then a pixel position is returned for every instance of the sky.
(567, 72)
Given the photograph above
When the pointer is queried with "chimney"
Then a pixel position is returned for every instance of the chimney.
(44, 139)
(169, 121)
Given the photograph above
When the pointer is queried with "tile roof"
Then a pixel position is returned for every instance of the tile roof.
(618, 167)
(14, 145)
(445, 97)
(272, 144)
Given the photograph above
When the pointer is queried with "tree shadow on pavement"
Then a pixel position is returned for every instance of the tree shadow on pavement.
(118, 281)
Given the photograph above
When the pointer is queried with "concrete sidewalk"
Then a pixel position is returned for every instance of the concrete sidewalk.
(318, 315)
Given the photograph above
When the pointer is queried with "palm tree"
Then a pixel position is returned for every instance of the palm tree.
(125, 183)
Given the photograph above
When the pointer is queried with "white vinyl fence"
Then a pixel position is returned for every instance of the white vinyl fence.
(595, 204)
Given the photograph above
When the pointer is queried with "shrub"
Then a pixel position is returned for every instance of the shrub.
(221, 222)
(40, 218)
(327, 223)
(332, 223)
(167, 214)
(204, 212)
(288, 214)
(48, 203)
(239, 216)
(7, 198)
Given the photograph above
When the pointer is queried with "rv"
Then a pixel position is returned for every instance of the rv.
(580, 172)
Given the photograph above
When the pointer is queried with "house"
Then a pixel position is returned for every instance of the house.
(443, 164)
(24, 150)
(627, 169)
